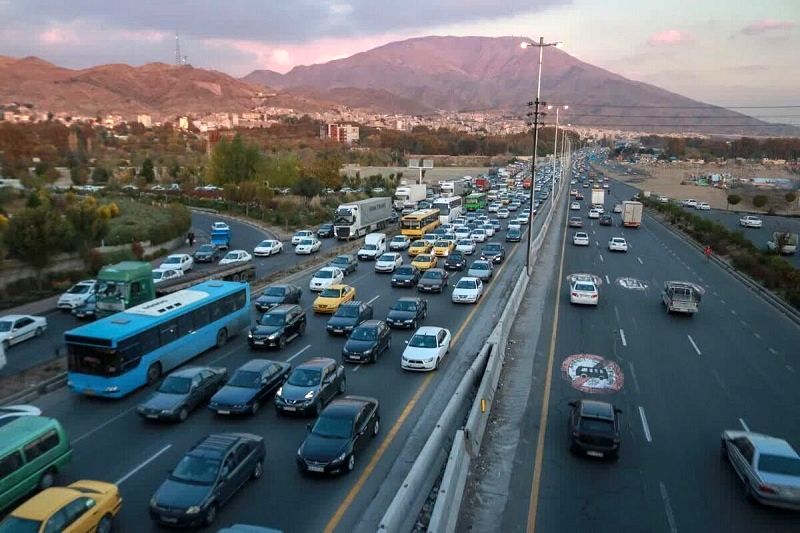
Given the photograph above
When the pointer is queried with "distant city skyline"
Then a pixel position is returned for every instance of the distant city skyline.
(725, 52)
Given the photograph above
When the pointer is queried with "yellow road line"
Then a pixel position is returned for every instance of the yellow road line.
(537, 466)
(333, 523)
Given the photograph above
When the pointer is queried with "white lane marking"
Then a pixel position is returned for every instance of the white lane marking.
(608, 281)
(104, 424)
(668, 508)
(722, 302)
(696, 349)
(221, 357)
(594, 232)
(597, 243)
(616, 312)
(298, 353)
(714, 293)
(733, 311)
(645, 427)
(790, 368)
(773, 351)
(742, 322)
(601, 258)
(719, 380)
(640, 260)
(124, 478)
(378, 296)
(622, 336)
(633, 375)
(356, 368)
(744, 425)
(756, 335)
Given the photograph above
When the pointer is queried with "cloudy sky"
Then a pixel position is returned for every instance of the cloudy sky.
(728, 52)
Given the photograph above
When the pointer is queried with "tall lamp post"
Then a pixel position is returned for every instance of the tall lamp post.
(541, 45)
(555, 150)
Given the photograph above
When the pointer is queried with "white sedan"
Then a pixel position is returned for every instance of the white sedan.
(583, 291)
(581, 238)
(575, 206)
(160, 275)
(325, 277)
(617, 244)
(503, 213)
(235, 256)
(524, 218)
(467, 290)
(703, 206)
(426, 349)
(308, 246)
(462, 233)
(388, 262)
(594, 213)
(478, 235)
(489, 229)
(220, 226)
(301, 235)
(268, 247)
(399, 242)
(750, 221)
(17, 328)
(182, 262)
(466, 246)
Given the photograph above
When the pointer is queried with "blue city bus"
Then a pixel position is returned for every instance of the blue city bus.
(118, 354)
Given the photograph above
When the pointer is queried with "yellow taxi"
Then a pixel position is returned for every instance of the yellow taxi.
(443, 248)
(419, 247)
(82, 506)
(425, 261)
(331, 298)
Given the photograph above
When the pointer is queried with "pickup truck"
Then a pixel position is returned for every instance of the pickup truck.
(681, 297)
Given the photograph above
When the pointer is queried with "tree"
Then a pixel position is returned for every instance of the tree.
(790, 198)
(99, 175)
(326, 168)
(36, 234)
(308, 187)
(733, 199)
(236, 161)
(760, 201)
(147, 171)
(89, 223)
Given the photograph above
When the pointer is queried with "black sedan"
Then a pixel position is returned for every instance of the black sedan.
(249, 387)
(407, 313)
(348, 316)
(367, 342)
(405, 276)
(311, 386)
(207, 253)
(209, 475)
(341, 431)
(606, 220)
(278, 326)
(182, 391)
(346, 263)
(87, 310)
(278, 294)
(433, 280)
(455, 261)
(325, 231)
(493, 251)
(594, 428)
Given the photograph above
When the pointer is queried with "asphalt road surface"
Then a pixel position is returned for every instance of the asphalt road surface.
(681, 381)
(112, 443)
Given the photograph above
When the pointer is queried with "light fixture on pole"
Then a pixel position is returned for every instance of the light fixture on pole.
(536, 103)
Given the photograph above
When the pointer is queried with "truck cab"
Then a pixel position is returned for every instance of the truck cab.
(122, 286)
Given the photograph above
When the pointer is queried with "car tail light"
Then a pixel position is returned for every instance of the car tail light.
(575, 294)
(616, 440)
(767, 489)
(594, 296)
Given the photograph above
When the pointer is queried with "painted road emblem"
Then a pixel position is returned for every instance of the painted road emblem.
(632, 283)
(591, 373)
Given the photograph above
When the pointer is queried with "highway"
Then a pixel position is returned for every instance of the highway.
(112, 443)
(244, 236)
(732, 366)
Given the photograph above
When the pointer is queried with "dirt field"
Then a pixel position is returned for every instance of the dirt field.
(666, 180)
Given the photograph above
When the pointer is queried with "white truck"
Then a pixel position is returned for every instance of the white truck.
(453, 188)
(374, 247)
(598, 197)
(409, 194)
(356, 219)
(631, 214)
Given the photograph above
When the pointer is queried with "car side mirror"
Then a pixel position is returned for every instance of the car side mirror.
(405, 342)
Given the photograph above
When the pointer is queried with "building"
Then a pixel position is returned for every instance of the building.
(145, 120)
(341, 133)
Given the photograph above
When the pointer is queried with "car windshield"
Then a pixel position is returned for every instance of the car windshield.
(197, 470)
(406, 270)
(304, 377)
(232, 255)
(78, 289)
(15, 524)
(246, 379)
(274, 291)
(586, 287)
(417, 244)
(465, 242)
(266, 244)
(779, 464)
(466, 284)
(272, 319)
(442, 244)
(175, 385)
(349, 311)
(386, 257)
(404, 305)
(480, 266)
(331, 293)
(330, 427)
(423, 341)
(595, 425)
(492, 248)
(513, 232)
(423, 259)
(307, 242)
(370, 247)
(399, 239)
(432, 274)
(324, 274)
(364, 334)
(158, 274)
(340, 261)
(206, 248)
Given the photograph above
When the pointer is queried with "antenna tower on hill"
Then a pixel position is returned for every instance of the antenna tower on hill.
(179, 60)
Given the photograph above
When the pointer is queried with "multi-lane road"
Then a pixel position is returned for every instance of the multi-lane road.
(679, 381)
(112, 443)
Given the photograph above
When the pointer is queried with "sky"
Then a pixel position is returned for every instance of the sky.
(725, 52)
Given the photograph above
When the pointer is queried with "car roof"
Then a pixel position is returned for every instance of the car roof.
(43, 505)
(415, 299)
(327, 268)
(188, 371)
(374, 323)
(14, 317)
(597, 409)
(216, 445)
(281, 309)
(351, 303)
(428, 330)
(348, 406)
(316, 362)
(256, 364)
(337, 286)
(469, 278)
(766, 444)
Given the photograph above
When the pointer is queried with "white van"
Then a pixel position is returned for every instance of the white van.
(374, 246)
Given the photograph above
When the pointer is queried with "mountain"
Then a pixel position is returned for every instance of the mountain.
(155, 88)
(494, 73)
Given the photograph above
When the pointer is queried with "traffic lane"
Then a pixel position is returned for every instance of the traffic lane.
(140, 486)
(38, 350)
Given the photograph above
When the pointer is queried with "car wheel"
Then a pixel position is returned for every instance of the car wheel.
(183, 414)
(376, 428)
(317, 407)
(388, 345)
(153, 373)
(281, 342)
(436, 367)
(222, 337)
(105, 524)
(351, 462)
(211, 514)
(38, 332)
(414, 324)
(254, 407)
(47, 480)
(342, 386)
(258, 471)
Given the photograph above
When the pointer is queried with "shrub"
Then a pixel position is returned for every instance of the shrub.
(137, 250)
(760, 201)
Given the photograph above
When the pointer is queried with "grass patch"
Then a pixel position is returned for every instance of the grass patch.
(155, 222)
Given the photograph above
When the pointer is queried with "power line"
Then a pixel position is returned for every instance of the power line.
(571, 115)
(651, 106)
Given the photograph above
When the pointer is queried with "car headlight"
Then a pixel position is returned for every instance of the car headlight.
(249, 334)
(167, 411)
(429, 360)
(194, 509)
(340, 458)
(273, 336)
(153, 502)
(280, 392)
(368, 350)
(309, 395)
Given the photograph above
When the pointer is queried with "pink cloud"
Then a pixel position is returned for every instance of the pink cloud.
(59, 36)
(765, 25)
(668, 37)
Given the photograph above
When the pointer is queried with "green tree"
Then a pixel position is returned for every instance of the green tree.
(89, 223)
(760, 201)
(281, 171)
(308, 187)
(99, 175)
(733, 199)
(147, 171)
(236, 161)
(790, 198)
(36, 235)
(326, 168)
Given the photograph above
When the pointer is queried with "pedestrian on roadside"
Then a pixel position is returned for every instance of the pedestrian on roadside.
(707, 251)
(190, 238)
